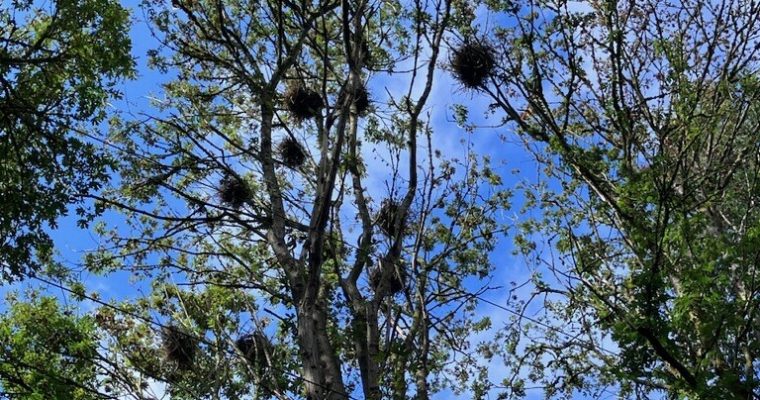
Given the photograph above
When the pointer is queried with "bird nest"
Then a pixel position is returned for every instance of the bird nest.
(473, 63)
(360, 99)
(396, 278)
(386, 217)
(179, 347)
(303, 103)
(233, 191)
(255, 347)
(292, 153)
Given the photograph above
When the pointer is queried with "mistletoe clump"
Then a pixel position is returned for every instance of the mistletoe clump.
(292, 153)
(234, 191)
(473, 63)
(303, 103)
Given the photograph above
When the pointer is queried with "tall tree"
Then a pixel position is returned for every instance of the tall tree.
(59, 62)
(645, 117)
(250, 206)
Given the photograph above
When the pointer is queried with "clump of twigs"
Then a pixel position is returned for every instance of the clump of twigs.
(292, 153)
(386, 217)
(367, 58)
(303, 103)
(233, 191)
(255, 347)
(473, 63)
(360, 99)
(395, 275)
(179, 347)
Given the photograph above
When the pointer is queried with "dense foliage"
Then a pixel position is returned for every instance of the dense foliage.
(47, 352)
(644, 115)
(59, 62)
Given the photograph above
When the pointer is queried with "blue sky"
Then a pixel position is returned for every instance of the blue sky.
(507, 155)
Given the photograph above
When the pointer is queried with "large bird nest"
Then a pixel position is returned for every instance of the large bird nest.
(303, 103)
(233, 191)
(255, 347)
(473, 63)
(386, 217)
(396, 277)
(292, 153)
(179, 346)
(360, 99)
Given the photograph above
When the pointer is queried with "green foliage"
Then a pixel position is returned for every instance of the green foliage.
(58, 67)
(649, 195)
(294, 279)
(47, 352)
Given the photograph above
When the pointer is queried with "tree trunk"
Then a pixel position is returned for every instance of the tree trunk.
(321, 371)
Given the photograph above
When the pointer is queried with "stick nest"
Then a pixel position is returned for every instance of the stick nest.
(255, 347)
(292, 153)
(473, 63)
(179, 347)
(396, 276)
(360, 98)
(233, 191)
(386, 217)
(303, 103)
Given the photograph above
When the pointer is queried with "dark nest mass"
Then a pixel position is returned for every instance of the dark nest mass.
(255, 348)
(233, 191)
(179, 347)
(472, 64)
(396, 283)
(360, 100)
(386, 217)
(292, 153)
(303, 103)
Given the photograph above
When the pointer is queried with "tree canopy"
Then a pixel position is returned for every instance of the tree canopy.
(296, 228)
(59, 64)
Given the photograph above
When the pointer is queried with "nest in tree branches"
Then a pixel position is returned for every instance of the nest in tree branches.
(367, 58)
(386, 217)
(303, 103)
(360, 99)
(255, 347)
(395, 275)
(473, 63)
(179, 347)
(292, 153)
(233, 191)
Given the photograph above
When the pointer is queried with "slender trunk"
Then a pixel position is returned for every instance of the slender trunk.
(366, 346)
(321, 371)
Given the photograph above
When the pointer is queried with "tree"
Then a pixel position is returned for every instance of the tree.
(277, 266)
(250, 210)
(644, 115)
(59, 62)
(46, 352)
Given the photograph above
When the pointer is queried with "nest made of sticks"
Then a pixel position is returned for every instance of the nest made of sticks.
(473, 63)
(396, 276)
(233, 191)
(255, 347)
(367, 59)
(360, 99)
(179, 346)
(303, 103)
(386, 217)
(292, 153)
